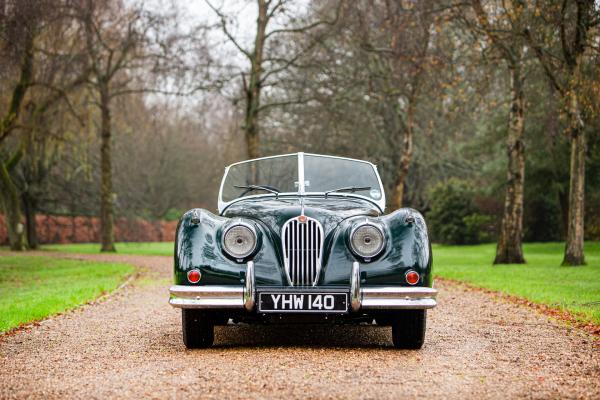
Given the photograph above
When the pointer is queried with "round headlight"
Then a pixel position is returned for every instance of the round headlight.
(239, 241)
(367, 240)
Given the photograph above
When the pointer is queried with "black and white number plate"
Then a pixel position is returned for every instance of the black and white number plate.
(285, 302)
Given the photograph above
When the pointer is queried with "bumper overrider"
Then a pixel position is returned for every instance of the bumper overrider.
(244, 296)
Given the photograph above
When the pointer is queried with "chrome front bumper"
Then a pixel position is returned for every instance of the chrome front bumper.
(244, 297)
(216, 297)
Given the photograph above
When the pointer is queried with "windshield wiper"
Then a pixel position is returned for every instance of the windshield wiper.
(350, 189)
(250, 188)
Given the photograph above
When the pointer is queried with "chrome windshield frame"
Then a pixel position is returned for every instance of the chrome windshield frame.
(222, 205)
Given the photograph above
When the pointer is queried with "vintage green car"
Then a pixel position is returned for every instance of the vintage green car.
(300, 239)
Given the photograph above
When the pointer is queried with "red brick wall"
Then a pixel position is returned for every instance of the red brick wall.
(59, 229)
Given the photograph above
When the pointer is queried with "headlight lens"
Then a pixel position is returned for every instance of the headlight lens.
(239, 241)
(367, 240)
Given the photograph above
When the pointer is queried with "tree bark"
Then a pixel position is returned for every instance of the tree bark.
(573, 46)
(575, 229)
(251, 134)
(30, 211)
(253, 89)
(405, 158)
(399, 67)
(19, 91)
(106, 189)
(10, 194)
(11, 203)
(510, 248)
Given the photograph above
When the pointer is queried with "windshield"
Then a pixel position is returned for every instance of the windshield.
(280, 175)
(322, 174)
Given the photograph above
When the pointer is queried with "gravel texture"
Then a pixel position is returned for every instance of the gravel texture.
(129, 346)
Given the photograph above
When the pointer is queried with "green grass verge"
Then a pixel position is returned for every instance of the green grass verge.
(33, 288)
(542, 280)
(133, 248)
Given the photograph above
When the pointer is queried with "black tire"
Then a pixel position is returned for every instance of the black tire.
(408, 329)
(198, 329)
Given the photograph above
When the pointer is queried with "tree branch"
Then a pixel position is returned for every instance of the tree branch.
(490, 32)
(539, 52)
(563, 36)
(284, 103)
(226, 31)
(18, 94)
(14, 160)
(307, 27)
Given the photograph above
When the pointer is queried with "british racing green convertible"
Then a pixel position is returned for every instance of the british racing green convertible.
(303, 238)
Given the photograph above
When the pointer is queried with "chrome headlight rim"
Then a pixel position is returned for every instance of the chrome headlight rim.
(239, 257)
(367, 257)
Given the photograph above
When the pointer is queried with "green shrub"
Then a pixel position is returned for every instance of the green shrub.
(542, 218)
(454, 219)
(479, 228)
(592, 217)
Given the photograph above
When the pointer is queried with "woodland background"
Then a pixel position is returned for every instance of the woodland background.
(484, 115)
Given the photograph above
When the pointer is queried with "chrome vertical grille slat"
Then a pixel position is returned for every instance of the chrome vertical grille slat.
(302, 250)
(295, 247)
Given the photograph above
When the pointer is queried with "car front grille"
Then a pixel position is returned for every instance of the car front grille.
(302, 250)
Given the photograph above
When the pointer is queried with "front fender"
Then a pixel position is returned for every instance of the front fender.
(198, 245)
(407, 247)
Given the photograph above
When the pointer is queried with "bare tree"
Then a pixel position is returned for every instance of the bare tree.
(24, 39)
(504, 29)
(118, 47)
(264, 68)
(24, 15)
(572, 24)
(414, 73)
(397, 43)
(367, 81)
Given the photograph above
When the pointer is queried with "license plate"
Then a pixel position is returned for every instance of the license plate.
(303, 302)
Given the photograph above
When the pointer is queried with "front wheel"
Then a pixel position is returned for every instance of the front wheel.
(198, 329)
(408, 329)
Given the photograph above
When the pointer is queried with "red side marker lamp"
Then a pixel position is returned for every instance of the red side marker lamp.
(194, 276)
(412, 277)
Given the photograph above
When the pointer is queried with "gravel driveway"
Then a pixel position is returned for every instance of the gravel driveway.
(129, 346)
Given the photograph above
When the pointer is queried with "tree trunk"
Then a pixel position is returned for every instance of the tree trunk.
(106, 190)
(30, 211)
(405, 158)
(415, 84)
(10, 198)
(11, 203)
(19, 91)
(510, 248)
(253, 89)
(575, 229)
(251, 133)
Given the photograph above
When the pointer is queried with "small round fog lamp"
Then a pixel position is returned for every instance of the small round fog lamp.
(193, 276)
(412, 277)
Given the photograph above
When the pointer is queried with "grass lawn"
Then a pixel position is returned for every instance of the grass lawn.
(541, 280)
(33, 288)
(135, 248)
